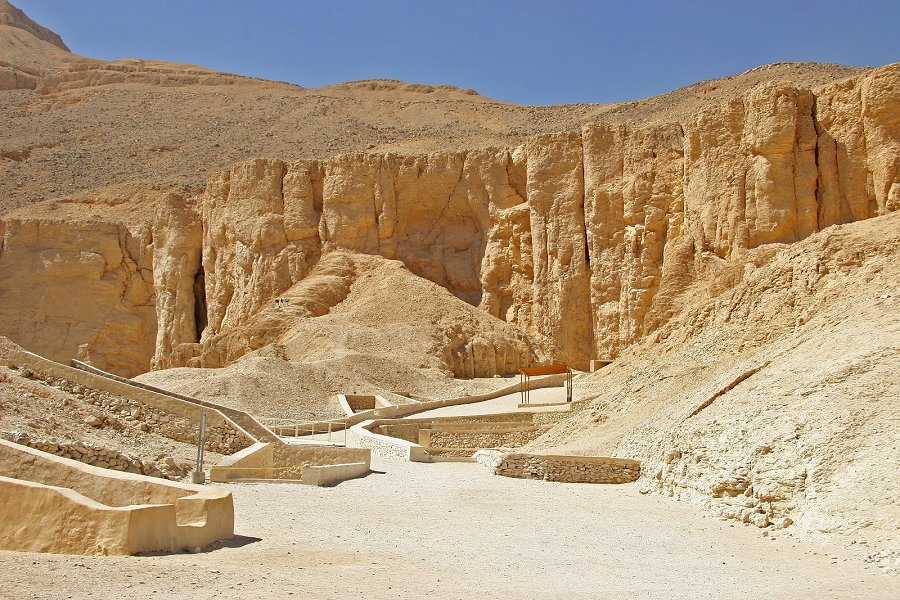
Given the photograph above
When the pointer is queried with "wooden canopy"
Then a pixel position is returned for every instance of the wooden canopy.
(545, 370)
(526, 373)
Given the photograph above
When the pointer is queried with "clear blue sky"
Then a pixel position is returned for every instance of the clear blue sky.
(558, 51)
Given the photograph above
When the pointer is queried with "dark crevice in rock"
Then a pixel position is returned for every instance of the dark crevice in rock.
(200, 301)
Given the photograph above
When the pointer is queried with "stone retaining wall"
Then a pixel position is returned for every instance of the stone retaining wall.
(408, 429)
(358, 403)
(54, 504)
(570, 469)
(360, 436)
(479, 438)
(379, 447)
(403, 431)
(97, 456)
(404, 410)
(267, 461)
(118, 412)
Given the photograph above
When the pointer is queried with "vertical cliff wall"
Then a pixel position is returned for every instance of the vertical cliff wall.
(586, 237)
(81, 289)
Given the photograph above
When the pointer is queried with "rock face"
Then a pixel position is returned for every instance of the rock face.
(771, 397)
(570, 235)
(580, 237)
(13, 17)
(79, 289)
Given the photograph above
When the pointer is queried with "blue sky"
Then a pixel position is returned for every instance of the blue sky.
(560, 51)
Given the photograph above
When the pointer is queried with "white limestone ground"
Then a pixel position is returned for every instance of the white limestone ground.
(452, 531)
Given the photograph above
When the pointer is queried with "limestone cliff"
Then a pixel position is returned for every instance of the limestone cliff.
(79, 289)
(583, 237)
(572, 235)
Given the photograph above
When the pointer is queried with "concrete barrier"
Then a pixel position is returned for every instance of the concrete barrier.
(404, 410)
(354, 403)
(361, 436)
(253, 462)
(327, 475)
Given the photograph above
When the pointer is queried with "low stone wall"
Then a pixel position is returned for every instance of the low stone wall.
(286, 456)
(359, 436)
(403, 431)
(554, 417)
(408, 429)
(327, 475)
(253, 462)
(569, 469)
(418, 439)
(65, 506)
(404, 410)
(478, 438)
(97, 456)
(358, 403)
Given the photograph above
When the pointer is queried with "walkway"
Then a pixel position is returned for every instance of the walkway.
(504, 404)
(242, 419)
(453, 531)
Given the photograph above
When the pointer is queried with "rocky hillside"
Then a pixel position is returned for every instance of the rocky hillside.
(771, 396)
(73, 124)
(356, 323)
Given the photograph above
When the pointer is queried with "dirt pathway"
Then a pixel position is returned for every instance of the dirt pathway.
(451, 530)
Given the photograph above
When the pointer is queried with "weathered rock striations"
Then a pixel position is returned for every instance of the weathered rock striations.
(584, 237)
(80, 289)
(568, 235)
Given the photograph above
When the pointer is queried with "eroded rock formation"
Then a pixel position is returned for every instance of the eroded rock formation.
(578, 236)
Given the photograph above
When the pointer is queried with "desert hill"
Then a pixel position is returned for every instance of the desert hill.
(732, 244)
(774, 398)
(76, 124)
(356, 323)
(27, 46)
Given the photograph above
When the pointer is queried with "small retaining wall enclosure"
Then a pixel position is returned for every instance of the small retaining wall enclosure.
(569, 469)
(424, 439)
(308, 464)
(355, 403)
(64, 506)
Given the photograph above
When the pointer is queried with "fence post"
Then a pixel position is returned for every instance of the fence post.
(199, 475)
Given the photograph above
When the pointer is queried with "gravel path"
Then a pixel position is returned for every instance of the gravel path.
(451, 530)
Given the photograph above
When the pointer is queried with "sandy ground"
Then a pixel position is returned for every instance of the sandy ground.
(452, 530)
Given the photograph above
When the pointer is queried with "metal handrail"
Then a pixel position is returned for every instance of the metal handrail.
(300, 428)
